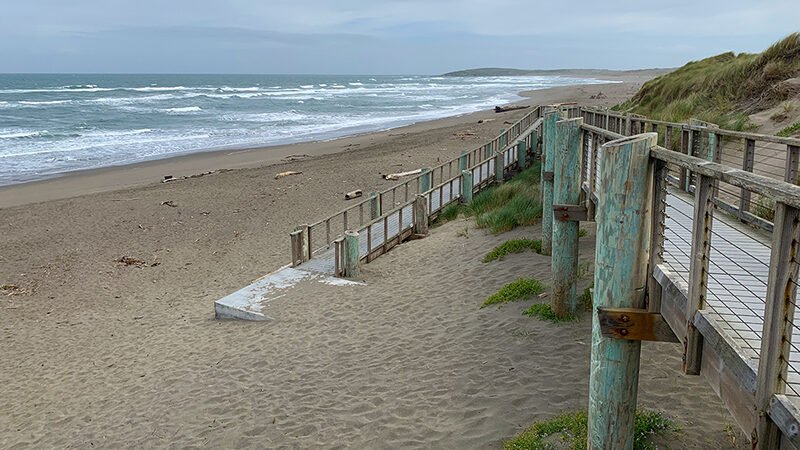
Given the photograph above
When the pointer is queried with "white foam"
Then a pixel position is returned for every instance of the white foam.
(183, 110)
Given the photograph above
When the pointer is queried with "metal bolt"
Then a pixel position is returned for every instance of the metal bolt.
(623, 331)
(624, 318)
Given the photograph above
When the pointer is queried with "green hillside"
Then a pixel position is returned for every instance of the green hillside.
(723, 89)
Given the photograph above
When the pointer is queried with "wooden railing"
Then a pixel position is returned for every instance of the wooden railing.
(741, 341)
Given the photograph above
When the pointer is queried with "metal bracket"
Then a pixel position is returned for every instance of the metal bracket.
(547, 176)
(634, 324)
(571, 213)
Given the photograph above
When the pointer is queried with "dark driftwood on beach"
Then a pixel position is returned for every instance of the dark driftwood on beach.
(499, 109)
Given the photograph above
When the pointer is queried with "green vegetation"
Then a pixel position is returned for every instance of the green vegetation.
(764, 207)
(513, 246)
(521, 289)
(582, 232)
(722, 89)
(512, 204)
(569, 431)
(586, 298)
(790, 131)
(543, 311)
(450, 212)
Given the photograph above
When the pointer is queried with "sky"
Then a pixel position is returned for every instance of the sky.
(378, 36)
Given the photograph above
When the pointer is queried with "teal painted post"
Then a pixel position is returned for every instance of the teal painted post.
(352, 259)
(535, 150)
(620, 277)
(549, 132)
(426, 180)
(463, 161)
(522, 160)
(566, 191)
(466, 187)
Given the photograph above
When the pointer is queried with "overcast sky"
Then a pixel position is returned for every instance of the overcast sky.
(378, 36)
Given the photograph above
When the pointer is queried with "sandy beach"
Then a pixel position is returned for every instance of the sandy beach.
(97, 353)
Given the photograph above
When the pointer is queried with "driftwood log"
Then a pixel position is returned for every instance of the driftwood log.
(353, 194)
(500, 109)
(398, 175)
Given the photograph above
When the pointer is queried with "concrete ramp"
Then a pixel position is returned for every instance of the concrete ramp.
(250, 302)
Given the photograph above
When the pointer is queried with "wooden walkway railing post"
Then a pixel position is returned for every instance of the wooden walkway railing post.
(420, 214)
(352, 258)
(463, 161)
(466, 187)
(748, 162)
(296, 247)
(778, 321)
(426, 177)
(699, 257)
(623, 240)
(374, 206)
(549, 145)
(499, 159)
(535, 150)
(657, 228)
(567, 214)
(522, 157)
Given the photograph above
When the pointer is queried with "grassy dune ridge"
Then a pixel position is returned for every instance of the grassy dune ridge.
(723, 89)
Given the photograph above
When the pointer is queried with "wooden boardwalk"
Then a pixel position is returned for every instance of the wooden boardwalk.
(737, 278)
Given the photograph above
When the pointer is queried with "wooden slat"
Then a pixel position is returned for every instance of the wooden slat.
(698, 271)
(657, 227)
(748, 160)
(784, 413)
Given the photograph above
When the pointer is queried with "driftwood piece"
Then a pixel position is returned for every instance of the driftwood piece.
(398, 175)
(287, 173)
(353, 194)
(500, 109)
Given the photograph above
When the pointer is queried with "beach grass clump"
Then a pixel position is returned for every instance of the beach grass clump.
(520, 289)
(512, 204)
(582, 232)
(790, 131)
(513, 246)
(764, 207)
(722, 89)
(585, 298)
(570, 430)
(543, 311)
(450, 212)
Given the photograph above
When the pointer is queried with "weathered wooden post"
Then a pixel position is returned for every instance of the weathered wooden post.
(567, 213)
(522, 160)
(374, 206)
(352, 259)
(534, 144)
(779, 313)
(420, 214)
(499, 163)
(466, 187)
(463, 161)
(303, 229)
(426, 177)
(623, 239)
(549, 144)
(296, 247)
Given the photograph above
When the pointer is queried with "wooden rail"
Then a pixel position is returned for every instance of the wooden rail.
(691, 160)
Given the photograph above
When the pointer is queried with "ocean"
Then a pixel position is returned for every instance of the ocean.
(52, 124)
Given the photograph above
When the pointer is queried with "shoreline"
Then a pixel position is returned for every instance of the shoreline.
(104, 179)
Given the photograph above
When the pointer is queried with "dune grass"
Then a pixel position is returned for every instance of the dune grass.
(520, 289)
(722, 89)
(790, 131)
(569, 431)
(512, 204)
(544, 311)
(513, 246)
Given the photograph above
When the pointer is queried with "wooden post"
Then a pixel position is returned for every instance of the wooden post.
(549, 144)
(466, 187)
(657, 229)
(303, 229)
(420, 214)
(352, 258)
(463, 161)
(627, 131)
(522, 160)
(535, 150)
(566, 191)
(296, 246)
(685, 178)
(623, 241)
(792, 160)
(778, 318)
(698, 271)
(748, 160)
(425, 177)
(374, 206)
(499, 162)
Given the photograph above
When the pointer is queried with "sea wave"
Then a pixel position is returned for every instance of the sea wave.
(182, 110)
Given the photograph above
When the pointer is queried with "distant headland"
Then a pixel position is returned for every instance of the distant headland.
(507, 72)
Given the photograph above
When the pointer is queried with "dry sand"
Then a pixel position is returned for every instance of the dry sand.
(98, 353)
